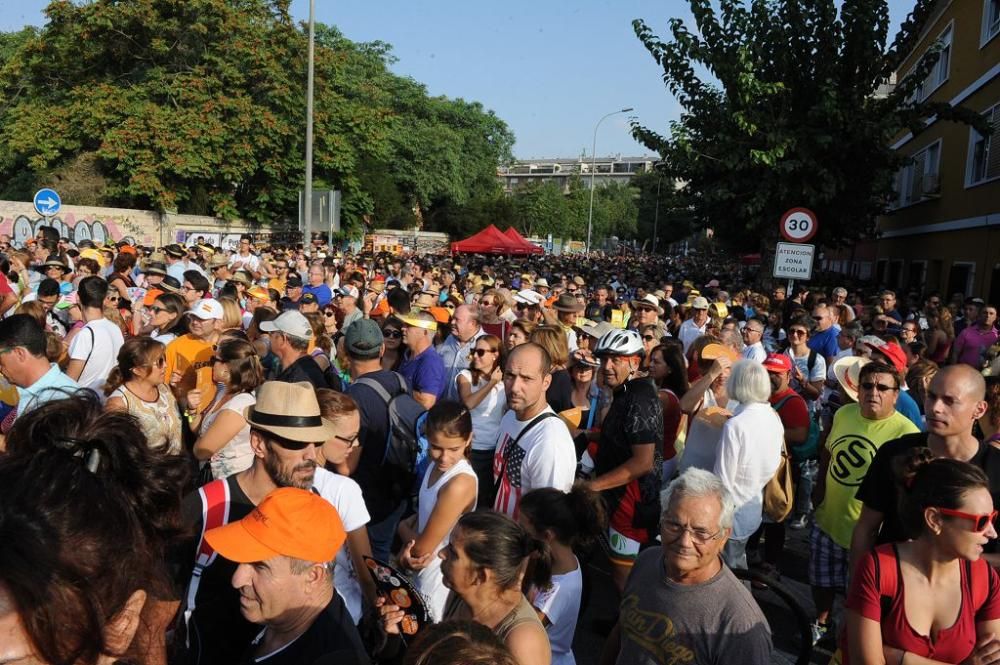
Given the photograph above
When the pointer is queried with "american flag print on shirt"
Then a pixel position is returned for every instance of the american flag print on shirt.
(507, 461)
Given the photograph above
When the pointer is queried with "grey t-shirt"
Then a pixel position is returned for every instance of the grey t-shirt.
(663, 622)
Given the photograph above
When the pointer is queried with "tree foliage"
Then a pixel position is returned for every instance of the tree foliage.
(544, 208)
(790, 117)
(199, 106)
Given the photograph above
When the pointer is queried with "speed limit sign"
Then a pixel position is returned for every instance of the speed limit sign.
(799, 225)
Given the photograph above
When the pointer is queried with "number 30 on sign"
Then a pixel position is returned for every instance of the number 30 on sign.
(799, 225)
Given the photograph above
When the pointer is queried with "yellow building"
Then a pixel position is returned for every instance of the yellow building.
(943, 230)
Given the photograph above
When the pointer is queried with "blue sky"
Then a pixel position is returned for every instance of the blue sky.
(549, 69)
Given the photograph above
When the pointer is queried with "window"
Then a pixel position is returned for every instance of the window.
(938, 73)
(984, 151)
(991, 20)
(920, 179)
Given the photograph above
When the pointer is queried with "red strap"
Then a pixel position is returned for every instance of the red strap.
(215, 512)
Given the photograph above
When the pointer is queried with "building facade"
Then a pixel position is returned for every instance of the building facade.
(606, 169)
(942, 232)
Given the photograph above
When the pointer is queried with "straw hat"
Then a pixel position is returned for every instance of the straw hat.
(291, 411)
(848, 372)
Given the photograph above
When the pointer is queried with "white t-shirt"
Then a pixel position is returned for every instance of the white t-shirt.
(755, 352)
(97, 343)
(236, 455)
(560, 603)
(250, 262)
(544, 457)
(345, 495)
(487, 414)
(818, 373)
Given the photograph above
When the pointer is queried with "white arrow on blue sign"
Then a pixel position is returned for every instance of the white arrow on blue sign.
(47, 202)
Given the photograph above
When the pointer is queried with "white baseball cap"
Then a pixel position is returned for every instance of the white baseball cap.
(291, 323)
(207, 308)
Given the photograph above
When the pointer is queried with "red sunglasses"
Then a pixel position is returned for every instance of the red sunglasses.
(979, 522)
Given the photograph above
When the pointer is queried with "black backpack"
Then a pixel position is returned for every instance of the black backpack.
(406, 444)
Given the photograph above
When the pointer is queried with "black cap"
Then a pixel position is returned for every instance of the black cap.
(293, 280)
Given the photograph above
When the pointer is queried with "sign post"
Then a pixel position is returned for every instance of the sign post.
(47, 203)
(793, 260)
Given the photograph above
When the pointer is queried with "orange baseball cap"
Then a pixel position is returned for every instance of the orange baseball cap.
(288, 522)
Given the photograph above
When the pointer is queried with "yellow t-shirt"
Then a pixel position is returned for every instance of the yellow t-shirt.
(192, 357)
(852, 444)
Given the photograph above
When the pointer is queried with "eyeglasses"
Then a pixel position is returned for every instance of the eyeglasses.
(979, 522)
(481, 352)
(157, 310)
(649, 338)
(752, 330)
(351, 441)
(881, 387)
(113, 298)
(161, 362)
(676, 531)
(797, 332)
(392, 334)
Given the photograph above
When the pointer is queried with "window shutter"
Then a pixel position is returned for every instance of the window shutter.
(993, 146)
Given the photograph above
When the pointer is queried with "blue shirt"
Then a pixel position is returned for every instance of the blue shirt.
(907, 406)
(322, 293)
(425, 372)
(825, 343)
(50, 386)
(455, 356)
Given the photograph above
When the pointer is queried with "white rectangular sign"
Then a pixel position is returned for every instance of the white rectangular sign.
(794, 261)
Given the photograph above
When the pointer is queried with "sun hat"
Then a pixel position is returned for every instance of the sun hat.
(648, 301)
(291, 322)
(415, 320)
(567, 302)
(528, 297)
(289, 410)
(713, 351)
(699, 302)
(207, 308)
(848, 372)
(289, 522)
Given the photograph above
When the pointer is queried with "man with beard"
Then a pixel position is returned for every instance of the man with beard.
(285, 448)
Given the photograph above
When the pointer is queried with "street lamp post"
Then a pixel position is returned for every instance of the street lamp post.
(656, 214)
(307, 204)
(593, 166)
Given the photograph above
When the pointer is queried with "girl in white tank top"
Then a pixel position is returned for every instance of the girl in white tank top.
(447, 491)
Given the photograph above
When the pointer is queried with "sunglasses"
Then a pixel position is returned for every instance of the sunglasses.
(979, 522)
(113, 298)
(797, 332)
(392, 334)
(481, 352)
(649, 338)
(881, 387)
(157, 310)
(329, 313)
(161, 362)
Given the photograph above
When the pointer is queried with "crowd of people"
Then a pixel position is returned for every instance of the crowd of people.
(206, 452)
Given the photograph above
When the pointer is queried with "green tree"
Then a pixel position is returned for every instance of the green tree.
(542, 208)
(198, 106)
(792, 117)
(671, 220)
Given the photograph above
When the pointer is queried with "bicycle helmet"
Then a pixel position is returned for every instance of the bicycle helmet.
(620, 343)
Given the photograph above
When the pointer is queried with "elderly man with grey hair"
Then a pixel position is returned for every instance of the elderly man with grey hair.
(681, 603)
(749, 453)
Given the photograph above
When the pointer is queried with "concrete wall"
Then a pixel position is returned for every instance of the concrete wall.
(19, 220)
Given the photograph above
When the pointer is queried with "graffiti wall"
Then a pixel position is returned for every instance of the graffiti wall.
(20, 221)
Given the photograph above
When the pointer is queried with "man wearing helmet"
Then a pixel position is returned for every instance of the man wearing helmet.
(628, 466)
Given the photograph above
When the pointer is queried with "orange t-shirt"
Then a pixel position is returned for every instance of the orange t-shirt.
(192, 357)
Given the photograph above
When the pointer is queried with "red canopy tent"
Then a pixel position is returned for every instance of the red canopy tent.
(513, 234)
(490, 240)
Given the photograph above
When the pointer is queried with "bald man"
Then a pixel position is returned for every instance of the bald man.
(955, 400)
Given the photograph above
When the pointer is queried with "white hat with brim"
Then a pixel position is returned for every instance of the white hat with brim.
(291, 411)
(848, 370)
(648, 301)
(528, 297)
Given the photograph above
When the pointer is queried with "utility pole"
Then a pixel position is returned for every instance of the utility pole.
(307, 204)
